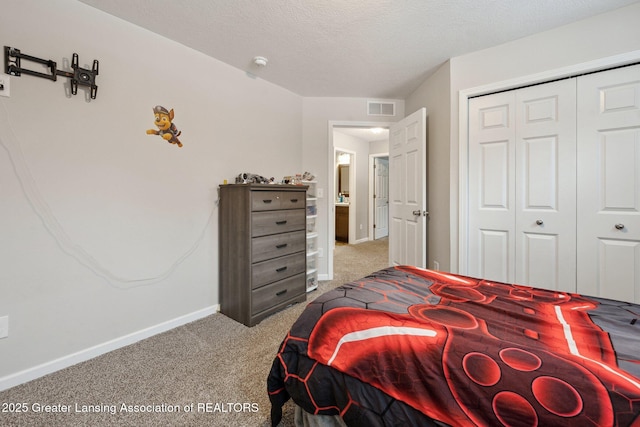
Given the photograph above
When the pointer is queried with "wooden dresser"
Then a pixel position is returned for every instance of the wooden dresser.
(262, 247)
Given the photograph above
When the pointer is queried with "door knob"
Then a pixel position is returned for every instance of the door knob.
(619, 226)
(417, 212)
(539, 222)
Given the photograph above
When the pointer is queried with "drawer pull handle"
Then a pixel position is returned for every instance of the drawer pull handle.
(281, 222)
(267, 201)
(294, 200)
(282, 292)
(284, 245)
(281, 269)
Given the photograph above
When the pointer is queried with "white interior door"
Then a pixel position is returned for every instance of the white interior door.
(381, 197)
(522, 184)
(545, 214)
(609, 184)
(491, 187)
(407, 190)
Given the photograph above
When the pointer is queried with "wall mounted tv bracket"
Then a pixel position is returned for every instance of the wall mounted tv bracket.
(80, 76)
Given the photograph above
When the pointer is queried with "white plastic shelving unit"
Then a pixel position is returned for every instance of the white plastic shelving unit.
(312, 236)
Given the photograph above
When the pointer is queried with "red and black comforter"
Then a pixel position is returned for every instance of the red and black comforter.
(406, 346)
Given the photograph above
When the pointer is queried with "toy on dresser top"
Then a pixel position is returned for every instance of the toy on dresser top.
(252, 178)
(298, 179)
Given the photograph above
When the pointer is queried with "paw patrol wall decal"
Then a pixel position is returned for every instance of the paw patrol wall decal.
(166, 128)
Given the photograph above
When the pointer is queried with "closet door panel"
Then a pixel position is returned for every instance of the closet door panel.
(494, 257)
(618, 263)
(546, 185)
(609, 184)
(618, 151)
(541, 261)
(540, 176)
(491, 187)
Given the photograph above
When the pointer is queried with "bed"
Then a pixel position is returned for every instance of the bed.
(411, 347)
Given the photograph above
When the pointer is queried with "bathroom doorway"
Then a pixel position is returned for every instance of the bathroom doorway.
(351, 212)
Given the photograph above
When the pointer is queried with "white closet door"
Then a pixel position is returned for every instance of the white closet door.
(545, 251)
(491, 187)
(522, 184)
(609, 184)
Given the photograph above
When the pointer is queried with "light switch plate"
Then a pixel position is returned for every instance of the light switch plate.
(5, 87)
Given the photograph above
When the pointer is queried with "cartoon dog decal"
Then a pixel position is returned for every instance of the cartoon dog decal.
(166, 128)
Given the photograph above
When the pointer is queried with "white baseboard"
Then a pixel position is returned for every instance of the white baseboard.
(72, 359)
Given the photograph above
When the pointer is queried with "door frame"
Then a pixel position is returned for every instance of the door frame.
(372, 201)
(459, 217)
(330, 208)
(353, 195)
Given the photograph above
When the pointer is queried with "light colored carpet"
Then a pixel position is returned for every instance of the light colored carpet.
(215, 365)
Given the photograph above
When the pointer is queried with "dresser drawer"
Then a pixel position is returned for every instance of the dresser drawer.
(265, 223)
(276, 293)
(266, 200)
(276, 269)
(274, 200)
(277, 245)
(293, 200)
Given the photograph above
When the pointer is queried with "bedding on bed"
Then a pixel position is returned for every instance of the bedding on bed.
(407, 346)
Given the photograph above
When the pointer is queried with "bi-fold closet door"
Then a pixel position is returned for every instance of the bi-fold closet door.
(608, 222)
(554, 185)
(522, 186)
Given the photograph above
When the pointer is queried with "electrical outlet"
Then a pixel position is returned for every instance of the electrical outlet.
(320, 193)
(4, 326)
(5, 87)
(436, 265)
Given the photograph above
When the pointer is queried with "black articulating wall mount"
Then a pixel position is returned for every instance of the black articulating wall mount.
(79, 76)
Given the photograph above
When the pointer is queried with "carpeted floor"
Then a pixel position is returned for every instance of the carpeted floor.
(209, 372)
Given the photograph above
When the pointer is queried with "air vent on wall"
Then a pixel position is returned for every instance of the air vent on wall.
(381, 108)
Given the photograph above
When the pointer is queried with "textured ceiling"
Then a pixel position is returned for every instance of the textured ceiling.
(364, 133)
(351, 48)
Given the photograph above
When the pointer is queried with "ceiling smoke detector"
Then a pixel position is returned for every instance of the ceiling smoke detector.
(260, 61)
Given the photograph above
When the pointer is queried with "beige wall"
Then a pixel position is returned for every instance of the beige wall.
(434, 95)
(317, 113)
(109, 234)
